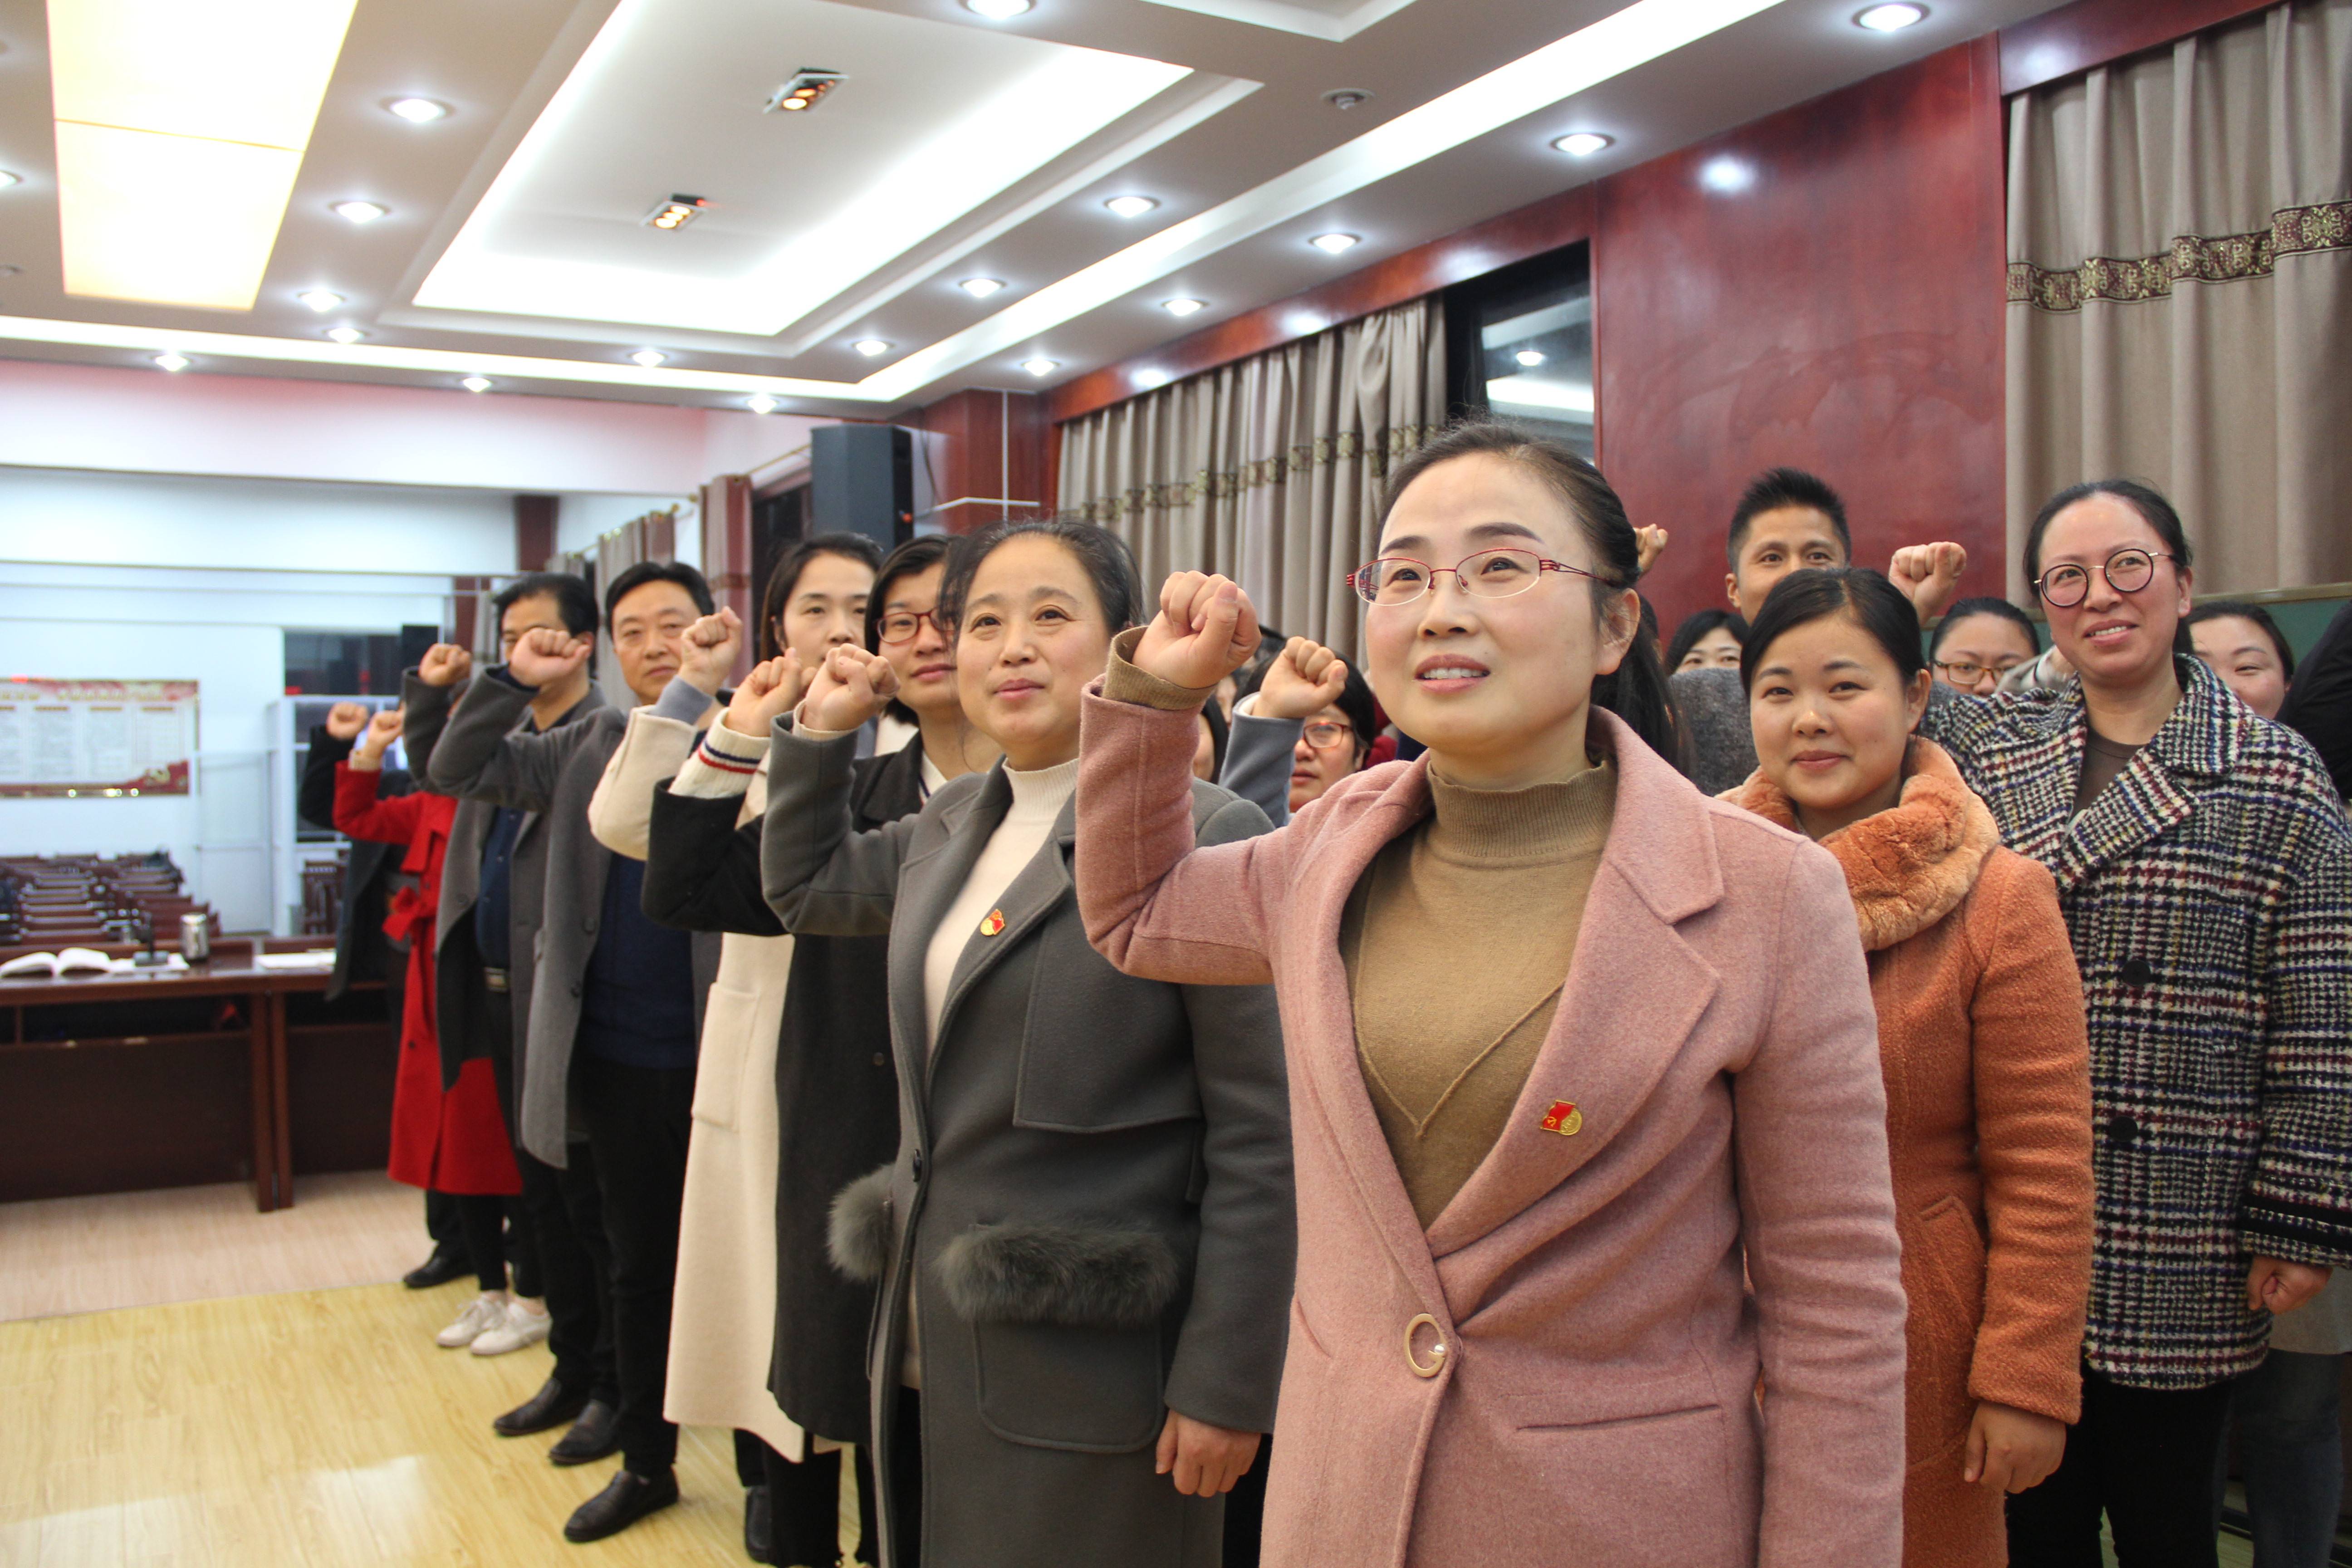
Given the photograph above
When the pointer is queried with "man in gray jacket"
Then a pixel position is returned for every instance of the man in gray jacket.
(616, 999)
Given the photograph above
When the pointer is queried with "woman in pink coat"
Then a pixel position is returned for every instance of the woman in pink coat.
(1597, 1250)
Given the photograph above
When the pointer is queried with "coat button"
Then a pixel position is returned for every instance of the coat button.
(1429, 1359)
(2137, 972)
(2121, 1131)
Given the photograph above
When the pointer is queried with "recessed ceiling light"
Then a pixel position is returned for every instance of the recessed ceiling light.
(319, 300)
(980, 287)
(997, 10)
(1726, 174)
(803, 91)
(649, 358)
(174, 362)
(1891, 18)
(358, 212)
(1182, 307)
(1131, 206)
(675, 213)
(6, 179)
(1041, 366)
(1150, 379)
(476, 384)
(759, 403)
(1528, 357)
(870, 347)
(345, 334)
(418, 111)
(1332, 244)
(1582, 144)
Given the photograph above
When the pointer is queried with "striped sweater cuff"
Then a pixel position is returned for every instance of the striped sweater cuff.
(722, 765)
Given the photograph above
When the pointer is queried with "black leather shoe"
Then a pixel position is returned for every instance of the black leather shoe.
(551, 1407)
(759, 1525)
(596, 1433)
(626, 1500)
(445, 1265)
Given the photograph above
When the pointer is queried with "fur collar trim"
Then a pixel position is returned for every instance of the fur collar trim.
(1909, 867)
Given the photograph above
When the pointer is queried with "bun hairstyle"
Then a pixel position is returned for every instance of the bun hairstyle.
(2144, 500)
(1801, 598)
(1636, 691)
(786, 576)
(1118, 591)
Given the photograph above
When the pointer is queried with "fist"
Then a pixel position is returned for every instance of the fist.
(1652, 543)
(708, 651)
(1206, 629)
(445, 664)
(346, 720)
(771, 691)
(849, 688)
(382, 731)
(1304, 679)
(1928, 575)
(546, 655)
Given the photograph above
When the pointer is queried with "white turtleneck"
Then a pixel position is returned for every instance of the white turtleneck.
(1038, 801)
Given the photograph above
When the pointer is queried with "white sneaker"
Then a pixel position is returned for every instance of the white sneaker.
(483, 1313)
(523, 1324)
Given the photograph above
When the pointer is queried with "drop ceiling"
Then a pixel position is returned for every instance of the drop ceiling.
(513, 245)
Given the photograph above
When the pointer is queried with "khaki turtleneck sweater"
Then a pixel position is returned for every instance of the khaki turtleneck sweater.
(1458, 942)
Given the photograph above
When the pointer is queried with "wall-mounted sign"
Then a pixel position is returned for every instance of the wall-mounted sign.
(106, 738)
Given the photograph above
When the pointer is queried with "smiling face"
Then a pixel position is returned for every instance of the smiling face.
(1499, 690)
(1032, 635)
(1995, 645)
(2242, 655)
(925, 662)
(1716, 650)
(826, 608)
(2117, 641)
(1784, 540)
(1316, 768)
(1833, 716)
(648, 626)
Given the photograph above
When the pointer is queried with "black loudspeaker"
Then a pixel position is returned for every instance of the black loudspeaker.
(862, 480)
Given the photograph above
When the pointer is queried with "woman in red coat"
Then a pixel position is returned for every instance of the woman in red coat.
(452, 1140)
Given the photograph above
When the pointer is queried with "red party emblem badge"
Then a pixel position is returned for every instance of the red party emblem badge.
(994, 923)
(1564, 1119)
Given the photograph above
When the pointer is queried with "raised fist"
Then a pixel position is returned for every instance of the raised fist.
(1304, 679)
(346, 720)
(1928, 575)
(849, 688)
(1652, 543)
(382, 731)
(445, 664)
(708, 651)
(1206, 629)
(771, 691)
(546, 655)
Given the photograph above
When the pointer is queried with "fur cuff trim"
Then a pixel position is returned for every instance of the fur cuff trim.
(857, 1227)
(1026, 1273)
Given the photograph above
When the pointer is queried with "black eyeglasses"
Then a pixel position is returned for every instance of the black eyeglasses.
(901, 625)
(2126, 572)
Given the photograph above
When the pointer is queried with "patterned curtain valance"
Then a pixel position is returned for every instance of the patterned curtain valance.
(2193, 259)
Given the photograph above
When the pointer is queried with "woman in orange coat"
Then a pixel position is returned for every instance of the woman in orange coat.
(456, 1140)
(1981, 1037)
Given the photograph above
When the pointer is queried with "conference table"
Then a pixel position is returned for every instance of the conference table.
(125, 1082)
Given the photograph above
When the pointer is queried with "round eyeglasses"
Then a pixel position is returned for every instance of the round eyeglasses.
(1489, 575)
(901, 625)
(1968, 672)
(2126, 572)
(1325, 733)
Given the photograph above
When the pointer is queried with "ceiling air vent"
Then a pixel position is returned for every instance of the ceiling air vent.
(808, 85)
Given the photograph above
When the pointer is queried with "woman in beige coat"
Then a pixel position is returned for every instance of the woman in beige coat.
(722, 1320)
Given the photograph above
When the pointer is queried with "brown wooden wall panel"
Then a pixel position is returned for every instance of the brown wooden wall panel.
(2093, 32)
(534, 532)
(994, 444)
(1841, 311)
(726, 506)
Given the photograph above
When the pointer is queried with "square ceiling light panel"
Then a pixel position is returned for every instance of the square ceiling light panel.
(933, 120)
(180, 128)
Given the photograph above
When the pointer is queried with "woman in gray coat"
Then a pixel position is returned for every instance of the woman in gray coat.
(1084, 1244)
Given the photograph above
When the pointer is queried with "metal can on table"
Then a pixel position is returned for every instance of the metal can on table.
(195, 938)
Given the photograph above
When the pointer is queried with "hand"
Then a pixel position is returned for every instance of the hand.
(771, 691)
(1206, 629)
(849, 688)
(1206, 1460)
(381, 730)
(1305, 679)
(1930, 576)
(546, 656)
(2279, 1287)
(445, 664)
(708, 651)
(346, 720)
(1652, 543)
(2012, 1450)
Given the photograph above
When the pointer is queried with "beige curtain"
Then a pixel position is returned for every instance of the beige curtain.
(1268, 469)
(2181, 291)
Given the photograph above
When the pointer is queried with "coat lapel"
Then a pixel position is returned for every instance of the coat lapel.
(2148, 797)
(1039, 887)
(1610, 1041)
(927, 884)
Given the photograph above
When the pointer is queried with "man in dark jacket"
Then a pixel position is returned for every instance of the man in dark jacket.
(362, 951)
(628, 992)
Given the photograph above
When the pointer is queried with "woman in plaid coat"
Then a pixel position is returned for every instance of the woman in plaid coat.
(2204, 865)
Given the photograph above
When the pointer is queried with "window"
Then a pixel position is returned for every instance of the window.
(1520, 345)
